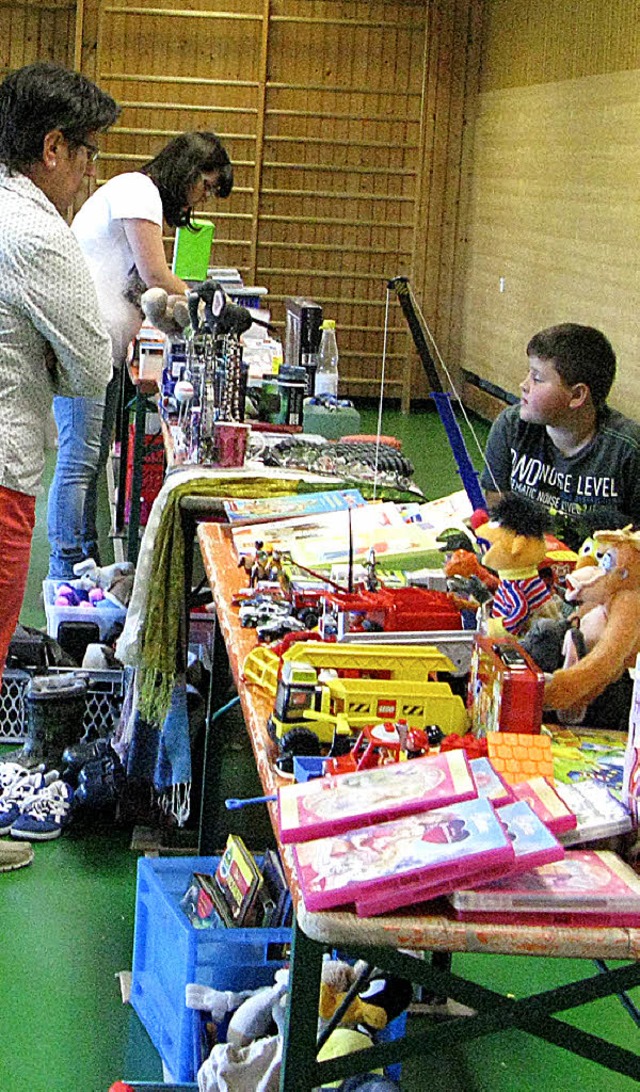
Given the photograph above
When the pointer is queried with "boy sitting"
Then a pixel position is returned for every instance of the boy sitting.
(562, 446)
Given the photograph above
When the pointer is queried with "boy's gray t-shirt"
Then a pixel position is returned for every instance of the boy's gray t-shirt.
(583, 492)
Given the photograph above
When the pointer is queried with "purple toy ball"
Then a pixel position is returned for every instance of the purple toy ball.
(63, 601)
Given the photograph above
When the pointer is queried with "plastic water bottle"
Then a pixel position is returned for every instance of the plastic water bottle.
(327, 370)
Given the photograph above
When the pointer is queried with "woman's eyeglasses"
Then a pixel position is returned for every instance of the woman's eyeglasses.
(92, 151)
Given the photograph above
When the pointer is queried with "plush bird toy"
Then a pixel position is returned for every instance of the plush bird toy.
(610, 599)
(515, 533)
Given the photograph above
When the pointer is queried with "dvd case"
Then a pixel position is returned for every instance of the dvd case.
(547, 804)
(586, 887)
(532, 842)
(338, 802)
(444, 843)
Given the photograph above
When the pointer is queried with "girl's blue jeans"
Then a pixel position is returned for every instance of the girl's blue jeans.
(85, 431)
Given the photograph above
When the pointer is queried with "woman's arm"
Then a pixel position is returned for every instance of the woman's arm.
(145, 240)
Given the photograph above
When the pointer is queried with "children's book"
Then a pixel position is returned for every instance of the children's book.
(598, 813)
(338, 802)
(587, 887)
(489, 782)
(631, 770)
(447, 843)
(588, 754)
(245, 510)
(532, 843)
(405, 547)
(546, 803)
(238, 879)
(283, 534)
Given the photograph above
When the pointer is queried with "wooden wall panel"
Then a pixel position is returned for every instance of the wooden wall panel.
(554, 206)
(345, 121)
(36, 30)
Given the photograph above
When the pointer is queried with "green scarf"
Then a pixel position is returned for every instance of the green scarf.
(166, 596)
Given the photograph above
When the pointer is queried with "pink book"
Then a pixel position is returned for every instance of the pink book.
(339, 802)
(489, 783)
(440, 843)
(587, 887)
(546, 803)
(533, 844)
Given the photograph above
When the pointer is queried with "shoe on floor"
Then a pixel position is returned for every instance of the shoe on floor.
(15, 855)
(10, 772)
(46, 816)
(20, 793)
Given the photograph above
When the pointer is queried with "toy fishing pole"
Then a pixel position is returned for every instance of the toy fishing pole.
(421, 336)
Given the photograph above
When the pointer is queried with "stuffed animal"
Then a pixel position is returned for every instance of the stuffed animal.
(167, 313)
(115, 581)
(610, 604)
(515, 533)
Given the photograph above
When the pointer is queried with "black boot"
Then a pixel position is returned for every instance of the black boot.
(55, 706)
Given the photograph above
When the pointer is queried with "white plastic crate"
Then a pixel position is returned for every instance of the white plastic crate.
(105, 616)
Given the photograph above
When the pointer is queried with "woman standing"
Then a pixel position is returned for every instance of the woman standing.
(119, 229)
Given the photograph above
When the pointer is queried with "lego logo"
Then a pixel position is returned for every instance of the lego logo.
(386, 708)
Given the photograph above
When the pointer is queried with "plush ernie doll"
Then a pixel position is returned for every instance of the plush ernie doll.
(515, 533)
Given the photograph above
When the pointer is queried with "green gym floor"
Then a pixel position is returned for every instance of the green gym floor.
(67, 926)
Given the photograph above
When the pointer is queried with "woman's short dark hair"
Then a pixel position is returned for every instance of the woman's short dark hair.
(580, 354)
(45, 96)
(179, 165)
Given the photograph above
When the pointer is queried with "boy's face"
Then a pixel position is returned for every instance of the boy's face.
(545, 399)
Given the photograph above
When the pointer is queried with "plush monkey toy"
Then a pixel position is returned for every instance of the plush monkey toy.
(615, 589)
(167, 313)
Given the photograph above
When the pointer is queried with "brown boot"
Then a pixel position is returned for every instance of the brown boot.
(15, 855)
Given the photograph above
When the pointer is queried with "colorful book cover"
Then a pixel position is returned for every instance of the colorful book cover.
(344, 869)
(489, 783)
(238, 879)
(598, 813)
(338, 802)
(588, 754)
(244, 510)
(283, 534)
(546, 803)
(631, 771)
(532, 843)
(585, 887)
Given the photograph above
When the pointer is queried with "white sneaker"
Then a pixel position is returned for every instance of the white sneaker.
(19, 793)
(46, 815)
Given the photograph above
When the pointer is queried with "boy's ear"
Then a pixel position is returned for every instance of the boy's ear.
(580, 395)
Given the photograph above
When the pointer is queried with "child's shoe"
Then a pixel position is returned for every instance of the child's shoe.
(46, 816)
(20, 793)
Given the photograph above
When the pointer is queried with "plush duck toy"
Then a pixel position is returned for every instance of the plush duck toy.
(515, 533)
(611, 600)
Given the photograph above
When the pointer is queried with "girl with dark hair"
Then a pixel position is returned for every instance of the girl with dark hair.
(119, 229)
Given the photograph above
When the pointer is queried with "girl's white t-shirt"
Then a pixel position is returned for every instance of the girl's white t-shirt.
(99, 229)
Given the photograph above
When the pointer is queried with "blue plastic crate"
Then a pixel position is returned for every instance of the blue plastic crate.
(168, 953)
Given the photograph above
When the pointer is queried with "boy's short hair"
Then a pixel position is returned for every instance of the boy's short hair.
(580, 354)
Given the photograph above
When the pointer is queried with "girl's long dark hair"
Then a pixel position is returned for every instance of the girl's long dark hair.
(179, 165)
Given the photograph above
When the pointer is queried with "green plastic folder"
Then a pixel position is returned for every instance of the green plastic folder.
(192, 250)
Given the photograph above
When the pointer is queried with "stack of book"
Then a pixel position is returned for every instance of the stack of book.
(243, 892)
